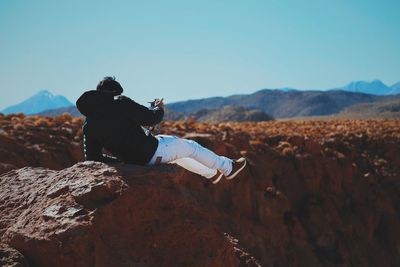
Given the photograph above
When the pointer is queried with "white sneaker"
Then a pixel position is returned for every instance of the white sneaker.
(237, 166)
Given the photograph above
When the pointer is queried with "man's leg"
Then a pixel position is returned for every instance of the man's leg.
(196, 167)
(171, 148)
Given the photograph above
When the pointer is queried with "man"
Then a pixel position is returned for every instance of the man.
(114, 122)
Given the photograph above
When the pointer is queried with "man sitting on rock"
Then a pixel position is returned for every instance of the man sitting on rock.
(114, 122)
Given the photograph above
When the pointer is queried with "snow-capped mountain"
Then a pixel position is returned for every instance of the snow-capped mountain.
(375, 87)
(41, 101)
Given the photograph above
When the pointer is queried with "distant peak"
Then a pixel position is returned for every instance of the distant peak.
(42, 100)
(375, 87)
(45, 92)
(376, 81)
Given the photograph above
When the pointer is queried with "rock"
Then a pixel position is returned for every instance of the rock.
(95, 214)
(312, 147)
(5, 167)
(10, 257)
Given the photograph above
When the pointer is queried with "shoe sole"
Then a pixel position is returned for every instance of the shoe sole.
(218, 179)
(230, 177)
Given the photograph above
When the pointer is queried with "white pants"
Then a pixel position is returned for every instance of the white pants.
(191, 156)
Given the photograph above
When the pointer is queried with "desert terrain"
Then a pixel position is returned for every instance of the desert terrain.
(315, 193)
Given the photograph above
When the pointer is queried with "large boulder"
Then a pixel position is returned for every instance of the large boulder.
(93, 214)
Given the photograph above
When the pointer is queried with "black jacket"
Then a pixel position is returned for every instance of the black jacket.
(114, 123)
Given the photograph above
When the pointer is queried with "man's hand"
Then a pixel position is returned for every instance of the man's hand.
(159, 103)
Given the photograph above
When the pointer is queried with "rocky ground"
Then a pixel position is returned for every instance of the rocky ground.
(39, 141)
(315, 193)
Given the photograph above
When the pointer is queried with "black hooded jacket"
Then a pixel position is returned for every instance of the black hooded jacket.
(114, 123)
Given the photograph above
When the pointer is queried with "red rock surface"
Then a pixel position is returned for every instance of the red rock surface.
(315, 193)
(11, 257)
(92, 214)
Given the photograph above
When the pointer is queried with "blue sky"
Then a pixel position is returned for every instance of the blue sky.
(191, 49)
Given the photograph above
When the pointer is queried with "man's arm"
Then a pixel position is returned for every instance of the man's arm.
(93, 151)
(141, 114)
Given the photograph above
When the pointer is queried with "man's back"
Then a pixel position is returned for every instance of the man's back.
(115, 124)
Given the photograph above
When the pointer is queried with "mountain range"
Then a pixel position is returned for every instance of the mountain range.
(278, 103)
(43, 100)
(375, 87)
(226, 113)
(281, 104)
(275, 103)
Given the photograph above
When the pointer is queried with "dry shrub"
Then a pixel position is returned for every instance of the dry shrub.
(62, 119)
(66, 117)
(8, 117)
(15, 120)
(167, 124)
(256, 142)
(29, 123)
(19, 126)
(288, 151)
(190, 121)
(77, 121)
(43, 122)
(30, 120)
(20, 115)
(32, 117)
(284, 144)
(79, 134)
(202, 127)
(4, 123)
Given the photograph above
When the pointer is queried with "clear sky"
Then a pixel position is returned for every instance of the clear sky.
(191, 49)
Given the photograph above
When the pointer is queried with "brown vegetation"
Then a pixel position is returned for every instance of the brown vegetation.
(39, 141)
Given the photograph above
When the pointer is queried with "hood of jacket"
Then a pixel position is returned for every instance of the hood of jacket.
(91, 101)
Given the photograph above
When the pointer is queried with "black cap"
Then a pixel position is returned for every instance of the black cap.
(109, 84)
